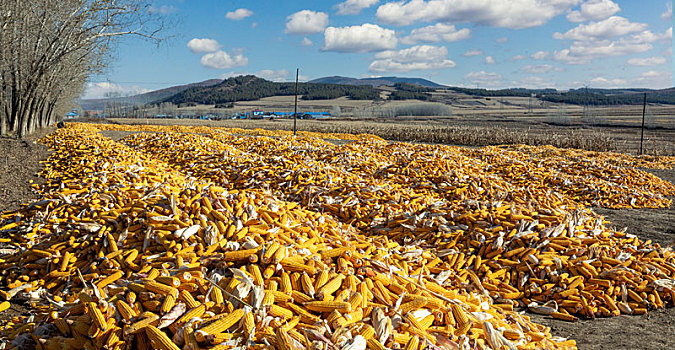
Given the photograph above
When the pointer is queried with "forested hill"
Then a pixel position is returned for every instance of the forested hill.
(250, 87)
(593, 97)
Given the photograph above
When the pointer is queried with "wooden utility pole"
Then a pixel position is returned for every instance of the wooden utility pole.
(295, 115)
(642, 131)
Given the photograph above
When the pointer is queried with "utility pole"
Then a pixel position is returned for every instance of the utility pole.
(295, 115)
(642, 131)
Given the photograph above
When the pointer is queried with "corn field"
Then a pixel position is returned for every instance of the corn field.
(198, 237)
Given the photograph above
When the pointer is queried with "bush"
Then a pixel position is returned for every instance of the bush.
(414, 110)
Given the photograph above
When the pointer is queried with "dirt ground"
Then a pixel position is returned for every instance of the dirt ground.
(653, 331)
(19, 163)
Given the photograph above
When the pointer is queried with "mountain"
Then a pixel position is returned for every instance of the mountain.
(148, 97)
(375, 81)
(250, 87)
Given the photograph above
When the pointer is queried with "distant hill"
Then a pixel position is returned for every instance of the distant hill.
(148, 97)
(376, 81)
(250, 87)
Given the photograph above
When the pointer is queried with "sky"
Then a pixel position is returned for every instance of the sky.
(489, 44)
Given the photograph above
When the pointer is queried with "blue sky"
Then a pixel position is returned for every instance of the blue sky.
(474, 43)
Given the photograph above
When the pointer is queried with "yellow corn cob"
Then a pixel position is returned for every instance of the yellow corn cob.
(328, 306)
(220, 325)
(96, 315)
(159, 339)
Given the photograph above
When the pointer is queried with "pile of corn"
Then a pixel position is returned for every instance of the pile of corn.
(123, 251)
(528, 252)
(179, 240)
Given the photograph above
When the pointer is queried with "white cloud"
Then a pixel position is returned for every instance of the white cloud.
(203, 45)
(306, 42)
(435, 33)
(306, 22)
(668, 14)
(421, 57)
(364, 38)
(538, 69)
(354, 7)
(648, 61)
(222, 60)
(533, 82)
(566, 56)
(502, 40)
(484, 79)
(472, 52)
(608, 83)
(163, 10)
(490, 60)
(239, 14)
(612, 27)
(107, 89)
(518, 58)
(514, 14)
(540, 55)
(593, 10)
(599, 39)
(654, 80)
(269, 74)
(274, 75)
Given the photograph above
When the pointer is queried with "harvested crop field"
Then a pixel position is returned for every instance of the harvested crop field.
(261, 235)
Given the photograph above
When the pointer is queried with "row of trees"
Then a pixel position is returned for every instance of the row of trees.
(49, 48)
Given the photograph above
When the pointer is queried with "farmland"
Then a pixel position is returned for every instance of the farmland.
(394, 244)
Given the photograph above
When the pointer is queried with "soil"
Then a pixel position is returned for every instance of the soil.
(652, 331)
(19, 164)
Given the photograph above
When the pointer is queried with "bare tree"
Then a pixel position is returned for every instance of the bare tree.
(48, 49)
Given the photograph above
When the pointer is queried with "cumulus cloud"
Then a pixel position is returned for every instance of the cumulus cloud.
(668, 14)
(484, 79)
(533, 82)
(540, 55)
(107, 89)
(514, 14)
(223, 60)
(610, 28)
(163, 10)
(490, 60)
(364, 38)
(593, 10)
(306, 22)
(654, 79)
(239, 14)
(306, 42)
(537, 69)
(615, 36)
(435, 33)
(648, 61)
(274, 75)
(354, 7)
(608, 83)
(518, 58)
(421, 57)
(472, 52)
(203, 45)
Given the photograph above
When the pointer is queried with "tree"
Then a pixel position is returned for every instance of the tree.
(49, 48)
